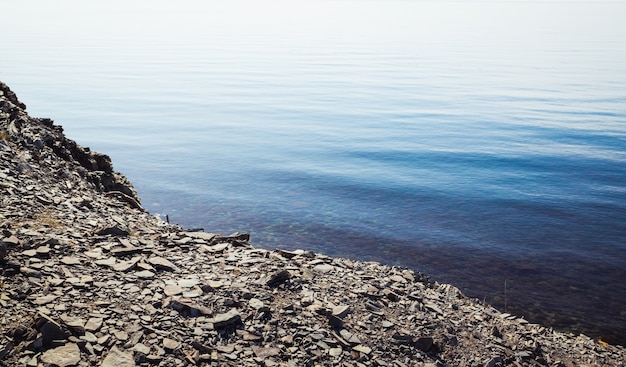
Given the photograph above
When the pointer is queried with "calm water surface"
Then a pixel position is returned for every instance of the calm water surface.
(477, 142)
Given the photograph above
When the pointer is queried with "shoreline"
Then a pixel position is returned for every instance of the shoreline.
(90, 278)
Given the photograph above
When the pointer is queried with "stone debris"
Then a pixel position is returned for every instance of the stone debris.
(90, 279)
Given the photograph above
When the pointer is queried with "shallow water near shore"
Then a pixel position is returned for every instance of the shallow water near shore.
(481, 143)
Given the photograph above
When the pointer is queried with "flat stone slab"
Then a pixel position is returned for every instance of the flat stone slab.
(63, 356)
(225, 319)
(118, 358)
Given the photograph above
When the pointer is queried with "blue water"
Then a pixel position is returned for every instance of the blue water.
(483, 143)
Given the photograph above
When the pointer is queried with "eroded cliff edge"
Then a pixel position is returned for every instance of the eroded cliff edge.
(88, 278)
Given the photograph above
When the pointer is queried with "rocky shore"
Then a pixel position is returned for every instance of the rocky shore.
(88, 278)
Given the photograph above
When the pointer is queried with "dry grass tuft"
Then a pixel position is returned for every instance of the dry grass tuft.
(46, 219)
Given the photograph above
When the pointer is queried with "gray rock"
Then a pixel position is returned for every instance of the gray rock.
(142, 348)
(334, 321)
(162, 263)
(225, 319)
(70, 260)
(189, 282)
(433, 307)
(323, 268)
(362, 349)
(188, 307)
(94, 324)
(349, 337)
(50, 330)
(335, 352)
(170, 344)
(341, 311)
(172, 290)
(278, 278)
(63, 356)
(115, 231)
(124, 266)
(266, 352)
(145, 274)
(424, 343)
(118, 358)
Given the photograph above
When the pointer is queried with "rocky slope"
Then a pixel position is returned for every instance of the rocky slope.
(88, 278)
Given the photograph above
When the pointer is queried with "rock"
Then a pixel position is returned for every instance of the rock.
(11, 241)
(124, 266)
(77, 325)
(266, 352)
(142, 348)
(70, 260)
(30, 253)
(215, 284)
(225, 319)
(200, 235)
(115, 231)
(334, 321)
(45, 299)
(387, 324)
(362, 349)
(35, 273)
(118, 358)
(323, 268)
(201, 347)
(392, 296)
(495, 362)
(162, 263)
(145, 274)
(66, 355)
(335, 352)
(89, 337)
(122, 336)
(424, 343)
(349, 337)
(256, 303)
(106, 262)
(189, 307)
(187, 283)
(170, 344)
(341, 311)
(433, 307)
(94, 324)
(278, 278)
(43, 250)
(50, 330)
(172, 290)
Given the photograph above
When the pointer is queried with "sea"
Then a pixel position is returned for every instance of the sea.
(482, 143)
